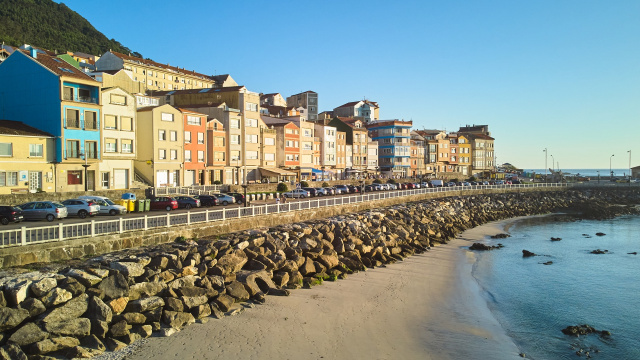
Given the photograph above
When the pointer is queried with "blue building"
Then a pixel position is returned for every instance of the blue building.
(394, 145)
(51, 95)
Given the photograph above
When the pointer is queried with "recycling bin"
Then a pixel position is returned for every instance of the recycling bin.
(129, 196)
(131, 206)
(139, 205)
(147, 204)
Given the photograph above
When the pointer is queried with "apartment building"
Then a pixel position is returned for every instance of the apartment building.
(307, 151)
(363, 110)
(216, 151)
(464, 155)
(307, 100)
(118, 139)
(160, 138)
(482, 154)
(195, 148)
(328, 148)
(341, 154)
(373, 165)
(272, 99)
(394, 142)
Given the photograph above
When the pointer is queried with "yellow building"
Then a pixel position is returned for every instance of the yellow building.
(160, 140)
(464, 154)
(27, 157)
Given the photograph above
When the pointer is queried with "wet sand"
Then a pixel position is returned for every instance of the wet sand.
(426, 307)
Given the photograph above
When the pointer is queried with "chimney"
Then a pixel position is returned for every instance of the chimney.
(34, 53)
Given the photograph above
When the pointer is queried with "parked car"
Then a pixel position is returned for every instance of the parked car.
(353, 189)
(226, 199)
(38, 210)
(343, 189)
(330, 190)
(384, 187)
(106, 205)
(411, 186)
(239, 198)
(207, 200)
(336, 190)
(187, 202)
(312, 191)
(465, 183)
(393, 186)
(297, 193)
(322, 191)
(81, 207)
(437, 183)
(369, 188)
(451, 184)
(164, 202)
(9, 214)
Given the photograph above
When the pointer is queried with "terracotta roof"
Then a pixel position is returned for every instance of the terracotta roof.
(59, 67)
(349, 104)
(163, 66)
(9, 127)
(351, 123)
(111, 72)
(213, 105)
(478, 136)
(197, 91)
(353, 103)
(267, 95)
(268, 120)
(190, 111)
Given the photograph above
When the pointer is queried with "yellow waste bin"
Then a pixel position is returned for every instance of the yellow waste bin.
(131, 205)
(124, 203)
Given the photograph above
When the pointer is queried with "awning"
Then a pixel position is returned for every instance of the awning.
(354, 170)
(316, 171)
(266, 172)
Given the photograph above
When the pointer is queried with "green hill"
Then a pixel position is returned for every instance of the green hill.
(52, 26)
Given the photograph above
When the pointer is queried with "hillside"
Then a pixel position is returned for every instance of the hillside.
(52, 26)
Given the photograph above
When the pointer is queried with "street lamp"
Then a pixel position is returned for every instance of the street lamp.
(598, 176)
(553, 162)
(85, 166)
(545, 164)
(322, 173)
(610, 170)
(629, 167)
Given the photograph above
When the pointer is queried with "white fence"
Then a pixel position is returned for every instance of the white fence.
(187, 190)
(33, 235)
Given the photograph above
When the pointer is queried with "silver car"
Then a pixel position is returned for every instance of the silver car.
(38, 210)
(224, 199)
(297, 193)
(81, 207)
(322, 191)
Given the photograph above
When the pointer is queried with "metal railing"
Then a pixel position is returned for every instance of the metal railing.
(32, 235)
(187, 190)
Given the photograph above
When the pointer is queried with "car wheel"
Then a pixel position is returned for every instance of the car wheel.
(82, 214)
(302, 196)
(4, 221)
(168, 208)
(188, 206)
(225, 203)
(113, 212)
(50, 217)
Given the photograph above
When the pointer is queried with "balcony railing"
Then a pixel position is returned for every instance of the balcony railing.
(73, 123)
(87, 99)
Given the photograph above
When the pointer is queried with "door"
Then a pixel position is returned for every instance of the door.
(121, 179)
(35, 181)
(189, 177)
(91, 180)
(162, 178)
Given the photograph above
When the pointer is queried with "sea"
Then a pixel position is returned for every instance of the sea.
(593, 173)
(534, 302)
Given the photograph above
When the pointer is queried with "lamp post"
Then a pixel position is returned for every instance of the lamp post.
(322, 173)
(553, 164)
(598, 176)
(545, 164)
(629, 167)
(85, 166)
(610, 170)
(237, 174)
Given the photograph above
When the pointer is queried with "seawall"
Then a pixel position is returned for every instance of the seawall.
(116, 299)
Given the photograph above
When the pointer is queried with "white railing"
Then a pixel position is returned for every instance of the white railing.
(187, 190)
(32, 235)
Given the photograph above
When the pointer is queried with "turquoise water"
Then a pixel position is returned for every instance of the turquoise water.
(534, 302)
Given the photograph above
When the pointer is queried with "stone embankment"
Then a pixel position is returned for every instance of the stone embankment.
(116, 299)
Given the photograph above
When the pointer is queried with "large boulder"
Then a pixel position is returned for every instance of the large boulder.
(256, 281)
(146, 289)
(118, 305)
(177, 320)
(78, 327)
(145, 304)
(43, 286)
(236, 290)
(84, 277)
(55, 297)
(10, 317)
(130, 269)
(230, 263)
(98, 310)
(12, 352)
(28, 334)
(224, 302)
(34, 306)
(54, 344)
(71, 310)
(115, 286)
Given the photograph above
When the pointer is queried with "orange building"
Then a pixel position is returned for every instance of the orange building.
(216, 151)
(195, 148)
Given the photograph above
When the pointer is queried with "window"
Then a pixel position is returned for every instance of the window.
(105, 180)
(84, 95)
(162, 154)
(73, 149)
(127, 146)
(251, 107)
(174, 154)
(235, 156)
(6, 149)
(110, 122)
(74, 177)
(200, 138)
(187, 155)
(67, 93)
(116, 99)
(269, 157)
(167, 117)
(269, 141)
(234, 124)
(35, 150)
(253, 139)
(194, 120)
(9, 178)
(252, 123)
(73, 118)
(200, 156)
(110, 145)
(162, 135)
(235, 139)
(218, 141)
(218, 156)
(90, 120)
(252, 155)
(126, 124)
(91, 149)
(187, 137)
(173, 135)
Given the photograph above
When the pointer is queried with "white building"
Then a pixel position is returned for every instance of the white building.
(118, 139)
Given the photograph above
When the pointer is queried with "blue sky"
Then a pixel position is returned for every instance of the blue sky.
(564, 75)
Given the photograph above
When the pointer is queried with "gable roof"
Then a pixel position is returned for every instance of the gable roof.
(58, 66)
(9, 127)
(197, 91)
(268, 120)
(478, 136)
(162, 66)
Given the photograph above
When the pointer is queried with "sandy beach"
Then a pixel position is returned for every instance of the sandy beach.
(426, 307)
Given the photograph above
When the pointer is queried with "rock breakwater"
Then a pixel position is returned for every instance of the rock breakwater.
(116, 299)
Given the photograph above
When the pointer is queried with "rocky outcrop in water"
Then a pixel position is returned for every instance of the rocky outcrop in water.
(116, 299)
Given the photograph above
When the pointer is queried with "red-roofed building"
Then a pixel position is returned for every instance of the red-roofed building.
(364, 110)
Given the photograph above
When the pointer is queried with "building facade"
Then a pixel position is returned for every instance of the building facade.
(195, 148)
(394, 142)
(307, 100)
(118, 139)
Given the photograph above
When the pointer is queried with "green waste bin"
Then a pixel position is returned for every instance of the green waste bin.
(147, 205)
(140, 205)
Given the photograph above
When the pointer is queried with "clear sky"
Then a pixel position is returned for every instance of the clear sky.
(562, 75)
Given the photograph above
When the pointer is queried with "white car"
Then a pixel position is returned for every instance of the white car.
(107, 207)
(297, 193)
